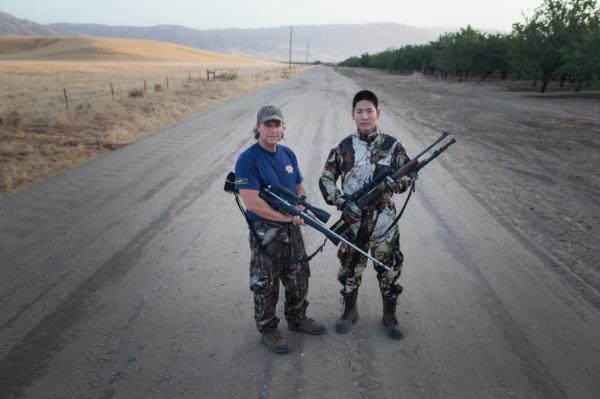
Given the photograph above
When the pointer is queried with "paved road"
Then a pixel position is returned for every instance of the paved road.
(128, 277)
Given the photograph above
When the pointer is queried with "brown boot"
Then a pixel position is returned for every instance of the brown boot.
(307, 325)
(350, 315)
(275, 341)
(389, 318)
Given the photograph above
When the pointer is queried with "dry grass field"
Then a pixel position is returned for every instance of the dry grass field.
(117, 90)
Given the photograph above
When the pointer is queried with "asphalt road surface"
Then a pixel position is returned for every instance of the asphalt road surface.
(128, 277)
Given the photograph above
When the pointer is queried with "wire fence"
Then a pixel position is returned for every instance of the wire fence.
(95, 90)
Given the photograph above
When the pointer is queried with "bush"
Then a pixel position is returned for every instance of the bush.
(158, 87)
(227, 76)
(13, 119)
(83, 107)
(135, 93)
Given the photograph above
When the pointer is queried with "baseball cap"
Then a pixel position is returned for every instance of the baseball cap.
(269, 113)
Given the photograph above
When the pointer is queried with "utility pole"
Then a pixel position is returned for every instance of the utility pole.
(307, 47)
(291, 27)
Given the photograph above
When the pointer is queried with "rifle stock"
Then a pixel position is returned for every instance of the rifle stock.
(379, 188)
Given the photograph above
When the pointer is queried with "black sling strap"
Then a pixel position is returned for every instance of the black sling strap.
(412, 189)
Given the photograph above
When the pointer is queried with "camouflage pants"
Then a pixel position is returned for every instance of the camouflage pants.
(367, 234)
(285, 242)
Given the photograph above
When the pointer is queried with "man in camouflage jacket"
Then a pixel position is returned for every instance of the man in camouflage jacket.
(355, 161)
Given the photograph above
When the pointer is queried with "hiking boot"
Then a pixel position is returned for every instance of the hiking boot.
(275, 341)
(389, 318)
(308, 325)
(350, 315)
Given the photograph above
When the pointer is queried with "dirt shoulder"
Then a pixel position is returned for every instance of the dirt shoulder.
(532, 159)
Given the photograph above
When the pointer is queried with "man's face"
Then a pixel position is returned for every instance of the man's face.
(270, 133)
(365, 115)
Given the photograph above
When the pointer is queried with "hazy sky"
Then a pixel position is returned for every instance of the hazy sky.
(202, 14)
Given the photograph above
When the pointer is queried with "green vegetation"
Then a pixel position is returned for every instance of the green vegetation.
(560, 41)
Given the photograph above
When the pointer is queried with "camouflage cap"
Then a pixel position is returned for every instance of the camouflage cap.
(269, 113)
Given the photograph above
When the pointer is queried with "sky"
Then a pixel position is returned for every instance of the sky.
(218, 14)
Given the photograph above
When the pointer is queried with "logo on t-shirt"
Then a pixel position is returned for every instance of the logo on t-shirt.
(289, 169)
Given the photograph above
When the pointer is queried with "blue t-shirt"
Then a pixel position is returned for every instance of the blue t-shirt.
(257, 168)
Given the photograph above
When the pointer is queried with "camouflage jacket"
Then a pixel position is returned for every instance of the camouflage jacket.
(356, 160)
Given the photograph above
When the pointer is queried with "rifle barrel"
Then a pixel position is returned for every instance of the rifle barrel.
(435, 154)
(442, 137)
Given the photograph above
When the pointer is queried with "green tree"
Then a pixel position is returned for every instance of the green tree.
(524, 55)
(582, 54)
(494, 56)
(556, 27)
(582, 59)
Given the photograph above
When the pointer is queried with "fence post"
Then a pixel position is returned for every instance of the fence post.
(144, 86)
(112, 92)
(167, 83)
(66, 98)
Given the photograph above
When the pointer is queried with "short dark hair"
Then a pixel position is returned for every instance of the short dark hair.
(365, 95)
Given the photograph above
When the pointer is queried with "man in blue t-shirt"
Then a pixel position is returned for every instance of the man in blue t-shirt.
(276, 238)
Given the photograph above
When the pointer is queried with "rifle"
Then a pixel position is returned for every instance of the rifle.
(282, 205)
(377, 186)
(286, 206)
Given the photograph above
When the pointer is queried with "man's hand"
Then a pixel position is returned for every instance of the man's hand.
(403, 183)
(352, 210)
(297, 221)
(409, 179)
(390, 183)
(340, 202)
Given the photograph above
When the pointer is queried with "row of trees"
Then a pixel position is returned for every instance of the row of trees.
(560, 41)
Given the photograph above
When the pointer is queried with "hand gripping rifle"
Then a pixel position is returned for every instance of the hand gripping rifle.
(296, 200)
(289, 207)
(377, 186)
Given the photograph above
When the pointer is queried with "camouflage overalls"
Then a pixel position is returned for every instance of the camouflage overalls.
(356, 159)
(284, 241)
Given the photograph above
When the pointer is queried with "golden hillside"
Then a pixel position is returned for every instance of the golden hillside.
(105, 49)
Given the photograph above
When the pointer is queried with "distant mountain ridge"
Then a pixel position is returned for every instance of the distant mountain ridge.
(326, 43)
(10, 25)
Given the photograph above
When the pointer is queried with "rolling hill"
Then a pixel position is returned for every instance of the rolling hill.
(105, 49)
